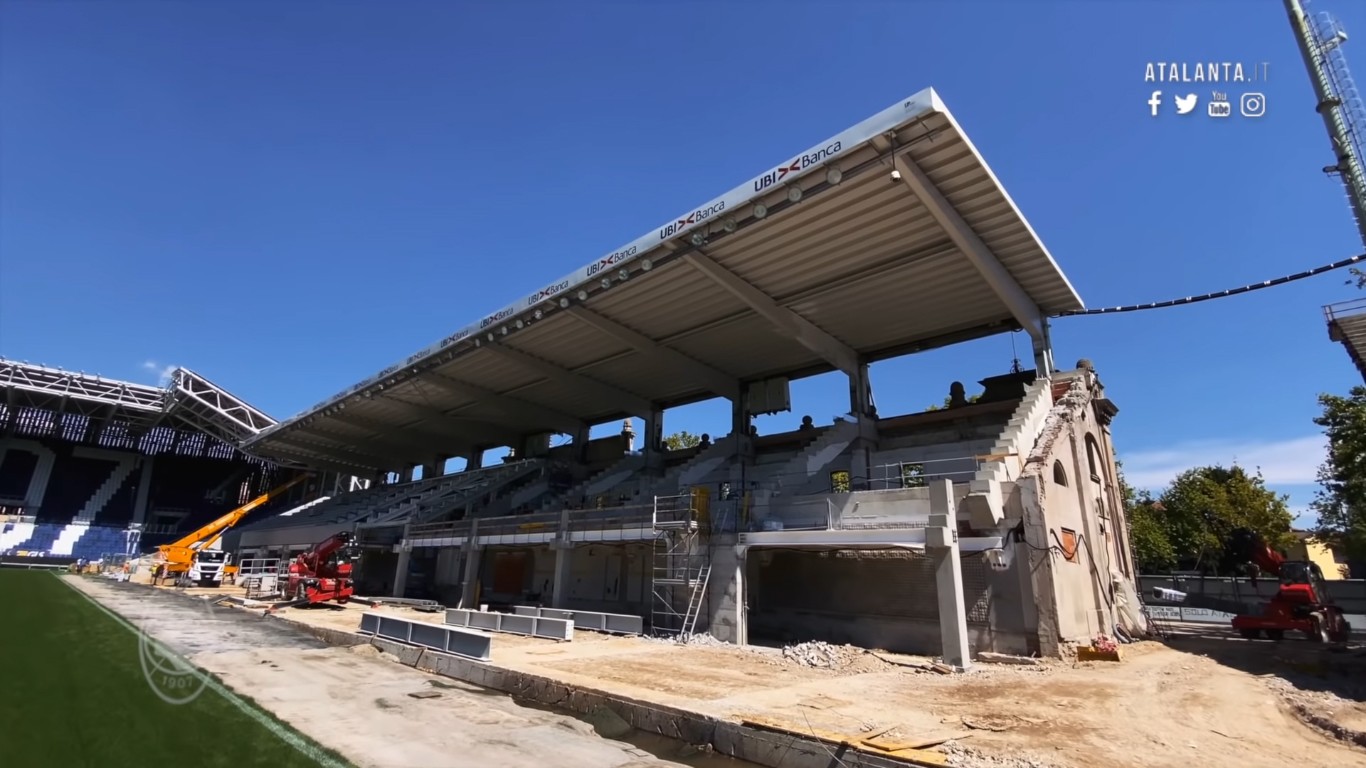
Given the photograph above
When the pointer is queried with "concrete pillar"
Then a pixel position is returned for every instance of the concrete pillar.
(581, 437)
(432, 469)
(739, 428)
(941, 544)
(475, 460)
(652, 442)
(469, 595)
(144, 490)
(559, 590)
(860, 392)
(1043, 353)
(401, 572)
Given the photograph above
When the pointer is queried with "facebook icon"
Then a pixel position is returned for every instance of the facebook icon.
(1154, 100)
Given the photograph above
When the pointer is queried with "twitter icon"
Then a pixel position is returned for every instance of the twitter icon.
(1186, 104)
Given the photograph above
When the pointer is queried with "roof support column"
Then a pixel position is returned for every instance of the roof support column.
(861, 408)
(1043, 353)
(475, 460)
(652, 441)
(432, 469)
(581, 437)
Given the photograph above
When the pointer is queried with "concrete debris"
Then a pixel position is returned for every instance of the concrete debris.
(819, 655)
(965, 757)
(700, 639)
(1005, 658)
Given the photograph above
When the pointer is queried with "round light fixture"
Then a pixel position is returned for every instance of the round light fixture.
(538, 314)
(833, 175)
(505, 330)
(729, 224)
(794, 194)
(607, 282)
(520, 325)
(583, 295)
(624, 274)
(647, 265)
(760, 210)
(698, 238)
(564, 302)
(490, 337)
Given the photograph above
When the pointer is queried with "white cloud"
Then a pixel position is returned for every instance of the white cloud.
(1286, 462)
(163, 372)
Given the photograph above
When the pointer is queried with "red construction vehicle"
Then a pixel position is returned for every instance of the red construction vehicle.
(1301, 604)
(323, 573)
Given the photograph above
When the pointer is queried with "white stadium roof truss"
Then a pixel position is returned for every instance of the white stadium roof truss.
(189, 402)
(891, 237)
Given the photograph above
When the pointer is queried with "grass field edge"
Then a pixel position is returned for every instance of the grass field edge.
(309, 747)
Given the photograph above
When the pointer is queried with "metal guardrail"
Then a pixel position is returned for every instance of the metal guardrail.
(1353, 307)
(614, 623)
(512, 623)
(455, 641)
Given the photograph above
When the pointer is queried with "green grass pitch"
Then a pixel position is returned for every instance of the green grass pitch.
(73, 693)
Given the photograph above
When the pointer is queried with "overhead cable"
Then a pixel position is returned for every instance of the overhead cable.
(1218, 294)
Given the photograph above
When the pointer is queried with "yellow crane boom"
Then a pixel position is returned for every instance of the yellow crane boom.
(178, 556)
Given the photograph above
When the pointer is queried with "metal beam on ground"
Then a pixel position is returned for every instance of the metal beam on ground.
(719, 382)
(626, 401)
(805, 332)
(1021, 306)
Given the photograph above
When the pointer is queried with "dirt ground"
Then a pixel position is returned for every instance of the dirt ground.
(1206, 698)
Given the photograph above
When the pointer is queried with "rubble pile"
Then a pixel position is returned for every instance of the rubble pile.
(821, 655)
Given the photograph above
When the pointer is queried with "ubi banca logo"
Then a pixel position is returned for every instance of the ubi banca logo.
(173, 679)
(804, 161)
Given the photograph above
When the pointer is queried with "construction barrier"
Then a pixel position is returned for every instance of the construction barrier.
(516, 624)
(460, 642)
(615, 623)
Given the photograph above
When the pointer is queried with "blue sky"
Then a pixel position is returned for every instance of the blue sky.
(288, 197)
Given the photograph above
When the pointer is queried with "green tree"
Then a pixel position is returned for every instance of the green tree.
(1203, 506)
(1341, 501)
(681, 439)
(1152, 548)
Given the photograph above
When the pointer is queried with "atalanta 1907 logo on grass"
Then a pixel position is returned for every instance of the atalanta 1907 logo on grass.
(171, 677)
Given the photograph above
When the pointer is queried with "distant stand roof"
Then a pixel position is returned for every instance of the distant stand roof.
(188, 401)
(890, 237)
(1347, 324)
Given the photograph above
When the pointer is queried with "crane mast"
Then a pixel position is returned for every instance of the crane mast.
(1320, 42)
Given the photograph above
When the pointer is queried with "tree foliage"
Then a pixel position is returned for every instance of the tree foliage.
(1147, 533)
(1341, 500)
(1188, 526)
(680, 440)
(1203, 506)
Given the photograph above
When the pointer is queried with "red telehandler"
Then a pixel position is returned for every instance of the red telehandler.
(1301, 604)
(323, 573)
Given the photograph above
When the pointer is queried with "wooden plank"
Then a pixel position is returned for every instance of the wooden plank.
(913, 756)
(915, 742)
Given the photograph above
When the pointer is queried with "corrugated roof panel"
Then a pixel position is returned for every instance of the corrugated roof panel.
(667, 301)
(720, 347)
(564, 341)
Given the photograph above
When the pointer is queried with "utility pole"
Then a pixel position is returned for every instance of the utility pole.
(1339, 102)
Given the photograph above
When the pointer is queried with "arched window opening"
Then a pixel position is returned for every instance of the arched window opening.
(1059, 474)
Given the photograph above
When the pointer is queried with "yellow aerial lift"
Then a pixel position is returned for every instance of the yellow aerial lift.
(191, 558)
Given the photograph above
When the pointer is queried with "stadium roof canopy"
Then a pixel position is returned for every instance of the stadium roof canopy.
(890, 237)
(1347, 324)
(189, 401)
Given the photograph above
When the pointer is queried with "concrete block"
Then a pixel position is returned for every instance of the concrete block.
(984, 504)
